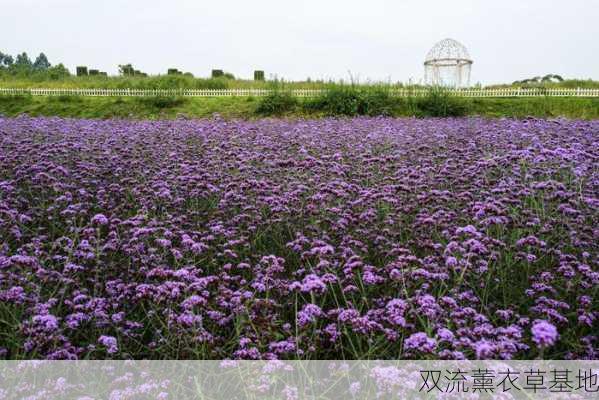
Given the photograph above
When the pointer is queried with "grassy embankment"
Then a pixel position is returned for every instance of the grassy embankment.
(338, 100)
(252, 107)
(41, 80)
(153, 82)
(341, 100)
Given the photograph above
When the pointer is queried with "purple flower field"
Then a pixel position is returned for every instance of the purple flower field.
(325, 239)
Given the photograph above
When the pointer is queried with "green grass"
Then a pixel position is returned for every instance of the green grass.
(352, 100)
(45, 80)
(566, 84)
(249, 107)
(277, 103)
(545, 107)
(127, 107)
(151, 82)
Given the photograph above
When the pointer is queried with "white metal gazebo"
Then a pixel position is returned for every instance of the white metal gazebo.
(448, 64)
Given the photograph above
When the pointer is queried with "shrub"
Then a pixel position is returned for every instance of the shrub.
(338, 100)
(126, 69)
(277, 103)
(94, 72)
(217, 73)
(258, 75)
(179, 81)
(129, 70)
(438, 102)
(173, 71)
(81, 71)
(378, 102)
(352, 101)
(161, 102)
(219, 83)
(57, 72)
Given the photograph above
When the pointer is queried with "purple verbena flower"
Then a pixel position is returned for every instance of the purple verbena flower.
(100, 219)
(544, 334)
(420, 342)
(110, 343)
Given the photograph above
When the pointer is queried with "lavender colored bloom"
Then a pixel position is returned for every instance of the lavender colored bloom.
(100, 219)
(469, 229)
(162, 242)
(445, 335)
(348, 315)
(15, 294)
(395, 310)
(354, 388)
(74, 320)
(283, 346)
(484, 349)
(25, 260)
(371, 278)
(110, 343)
(332, 331)
(314, 283)
(544, 334)
(48, 322)
(420, 342)
(188, 319)
(290, 392)
(451, 262)
(308, 314)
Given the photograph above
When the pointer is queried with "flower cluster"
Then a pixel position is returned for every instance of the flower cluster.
(275, 239)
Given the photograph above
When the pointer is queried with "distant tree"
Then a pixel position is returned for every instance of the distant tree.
(41, 63)
(23, 60)
(58, 72)
(229, 75)
(5, 60)
(217, 73)
(8, 60)
(126, 69)
(549, 78)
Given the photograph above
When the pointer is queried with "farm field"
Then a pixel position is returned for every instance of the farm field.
(355, 238)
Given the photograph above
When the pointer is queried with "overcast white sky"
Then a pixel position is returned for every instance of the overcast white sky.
(373, 39)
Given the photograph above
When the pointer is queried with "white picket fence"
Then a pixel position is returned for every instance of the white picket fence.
(505, 92)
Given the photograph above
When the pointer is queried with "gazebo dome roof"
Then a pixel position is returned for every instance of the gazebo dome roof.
(448, 49)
